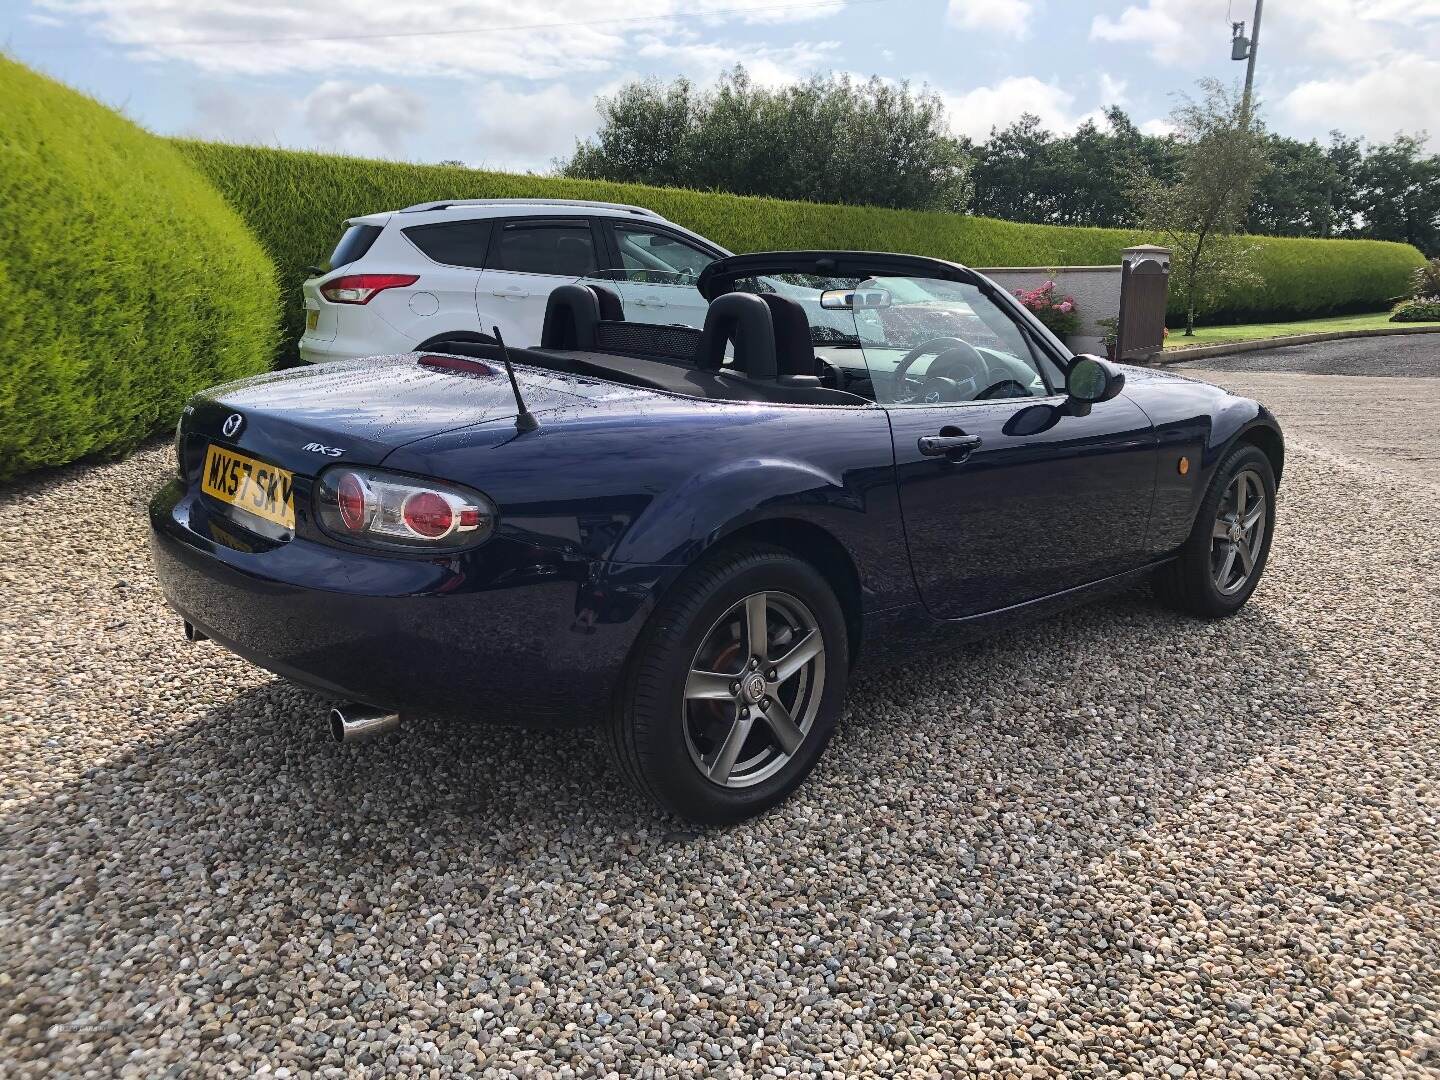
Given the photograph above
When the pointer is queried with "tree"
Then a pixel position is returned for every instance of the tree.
(644, 133)
(1398, 194)
(1296, 195)
(828, 139)
(1200, 212)
(1025, 173)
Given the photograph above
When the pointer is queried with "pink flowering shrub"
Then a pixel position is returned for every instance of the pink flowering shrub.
(1059, 313)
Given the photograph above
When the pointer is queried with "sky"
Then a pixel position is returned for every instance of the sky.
(511, 84)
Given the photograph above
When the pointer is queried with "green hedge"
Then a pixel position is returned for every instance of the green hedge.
(296, 201)
(126, 283)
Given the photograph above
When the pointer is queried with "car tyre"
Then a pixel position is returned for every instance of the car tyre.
(1194, 583)
(672, 741)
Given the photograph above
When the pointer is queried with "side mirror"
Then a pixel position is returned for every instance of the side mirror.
(1091, 380)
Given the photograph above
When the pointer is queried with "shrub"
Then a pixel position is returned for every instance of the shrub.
(295, 203)
(1417, 311)
(126, 283)
(1058, 313)
(1425, 281)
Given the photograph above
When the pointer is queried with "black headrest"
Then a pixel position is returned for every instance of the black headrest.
(794, 351)
(612, 309)
(571, 315)
(743, 318)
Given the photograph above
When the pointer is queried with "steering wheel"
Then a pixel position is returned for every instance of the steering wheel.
(956, 374)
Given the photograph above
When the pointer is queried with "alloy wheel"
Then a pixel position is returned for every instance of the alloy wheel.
(1238, 535)
(754, 689)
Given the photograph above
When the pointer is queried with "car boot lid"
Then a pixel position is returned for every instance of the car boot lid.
(360, 411)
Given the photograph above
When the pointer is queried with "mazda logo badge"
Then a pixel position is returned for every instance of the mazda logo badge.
(233, 423)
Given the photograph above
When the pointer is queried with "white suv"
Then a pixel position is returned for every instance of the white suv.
(450, 271)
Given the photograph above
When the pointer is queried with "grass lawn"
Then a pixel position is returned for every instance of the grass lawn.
(1220, 335)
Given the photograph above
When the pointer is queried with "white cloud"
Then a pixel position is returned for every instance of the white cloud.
(1112, 89)
(230, 115)
(1158, 126)
(1196, 34)
(360, 119)
(1398, 95)
(539, 39)
(703, 60)
(518, 130)
(975, 112)
(769, 15)
(1159, 24)
(1009, 17)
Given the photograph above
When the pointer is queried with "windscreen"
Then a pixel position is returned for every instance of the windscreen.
(893, 340)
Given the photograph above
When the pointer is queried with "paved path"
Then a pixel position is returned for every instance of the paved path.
(1417, 356)
(1376, 399)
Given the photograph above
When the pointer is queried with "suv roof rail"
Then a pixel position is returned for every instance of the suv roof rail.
(446, 204)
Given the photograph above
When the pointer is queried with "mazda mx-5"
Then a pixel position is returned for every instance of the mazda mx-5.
(691, 535)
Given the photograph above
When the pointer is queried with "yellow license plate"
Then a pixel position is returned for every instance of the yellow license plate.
(312, 320)
(264, 490)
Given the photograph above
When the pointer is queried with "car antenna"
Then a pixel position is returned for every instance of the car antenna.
(525, 421)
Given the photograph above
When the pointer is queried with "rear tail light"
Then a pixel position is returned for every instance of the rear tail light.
(389, 510)
(352, 499)
(362, 288)
(428, 514)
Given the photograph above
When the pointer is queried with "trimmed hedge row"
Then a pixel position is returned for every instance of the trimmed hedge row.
(295, 203)
(126, 283)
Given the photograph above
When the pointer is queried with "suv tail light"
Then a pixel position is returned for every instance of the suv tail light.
(402, 513)
(362, 288)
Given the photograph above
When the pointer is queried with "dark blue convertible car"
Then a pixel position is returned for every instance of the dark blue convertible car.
(690, 536)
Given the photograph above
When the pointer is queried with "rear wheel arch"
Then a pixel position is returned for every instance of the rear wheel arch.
(653, 750)
(817, 546)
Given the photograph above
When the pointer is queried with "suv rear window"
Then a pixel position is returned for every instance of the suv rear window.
(562, 248)
(353, 244)
(456, 243)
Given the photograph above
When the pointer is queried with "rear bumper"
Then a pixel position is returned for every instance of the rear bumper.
(358, 331)
(323, 352)
(487, 636)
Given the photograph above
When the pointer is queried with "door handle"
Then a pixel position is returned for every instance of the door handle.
(955, 447)
(650, 303)
(510, 294)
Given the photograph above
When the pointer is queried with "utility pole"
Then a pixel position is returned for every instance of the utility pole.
(1242, 48)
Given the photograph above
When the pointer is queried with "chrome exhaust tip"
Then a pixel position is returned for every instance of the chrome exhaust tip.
(352, 722)
(194, 634)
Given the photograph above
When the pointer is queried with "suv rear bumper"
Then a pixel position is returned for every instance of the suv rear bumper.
(325, 352)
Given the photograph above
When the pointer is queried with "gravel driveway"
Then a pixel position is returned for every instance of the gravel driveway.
(1118, 842)
(1372, 399)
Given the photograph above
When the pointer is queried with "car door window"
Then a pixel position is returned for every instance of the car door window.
(658, 258)
(937, 342)
(558, 248)
(454, 243)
